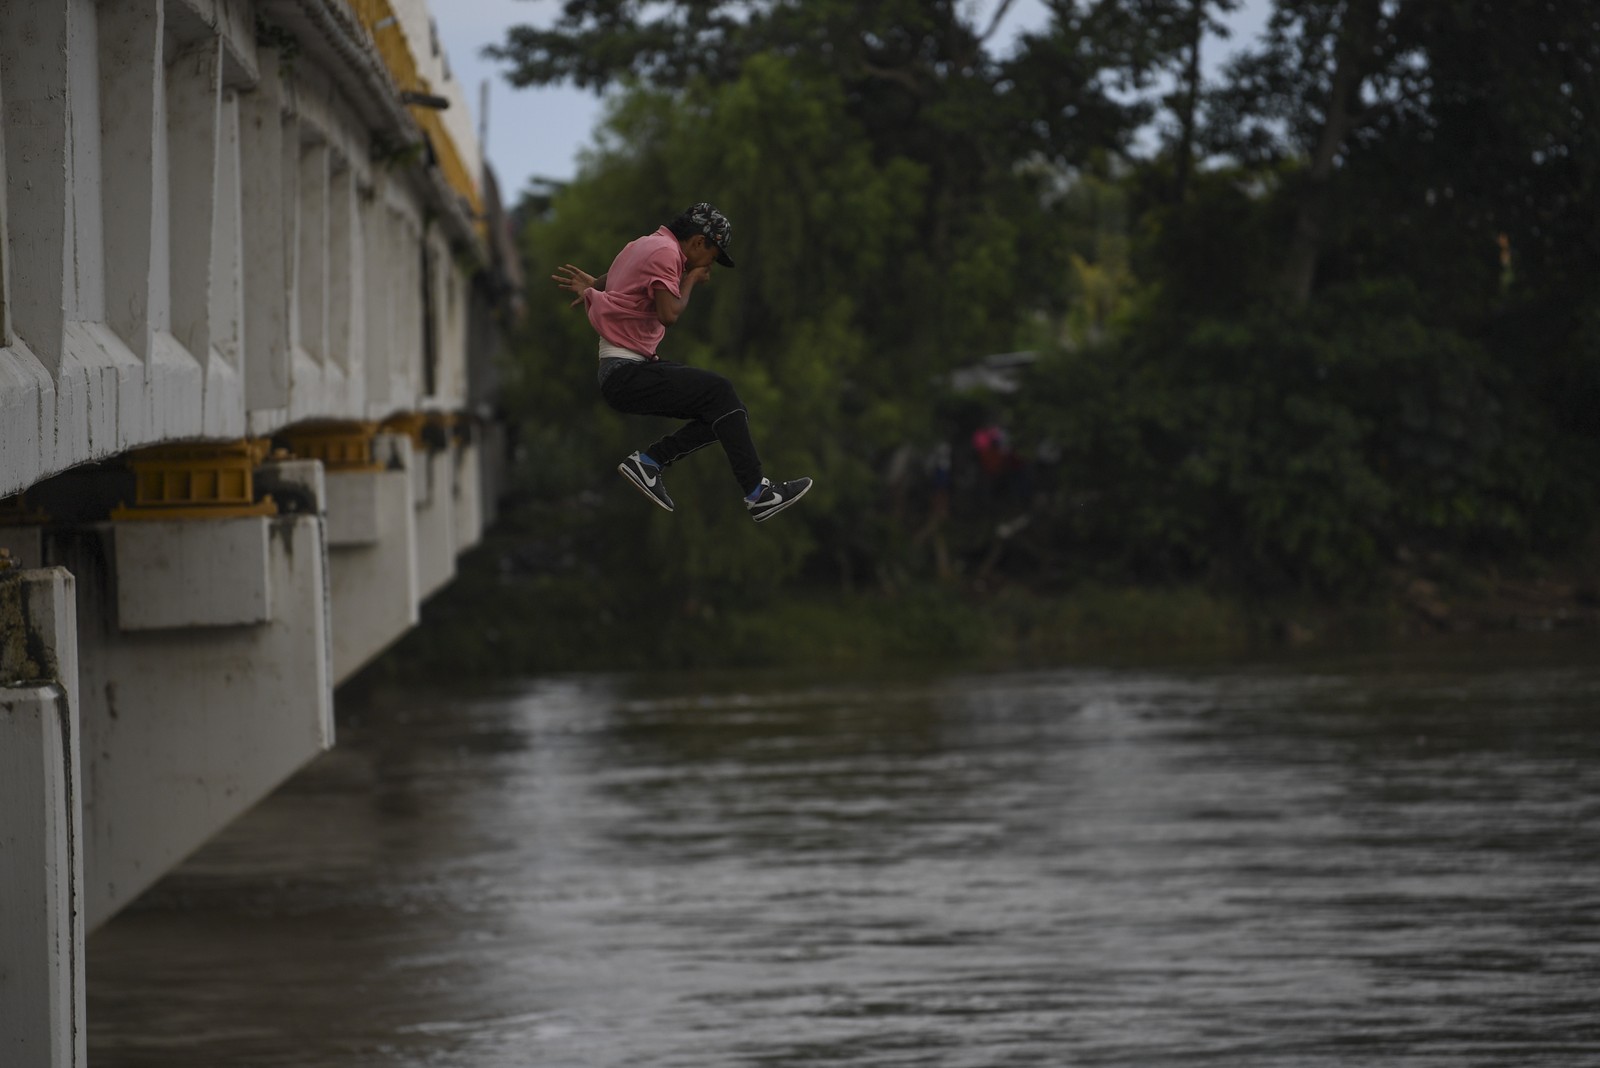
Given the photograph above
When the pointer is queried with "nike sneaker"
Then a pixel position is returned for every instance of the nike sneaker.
(647, 478)
(775, 498)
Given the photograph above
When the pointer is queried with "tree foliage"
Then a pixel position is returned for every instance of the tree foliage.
(1327, 311)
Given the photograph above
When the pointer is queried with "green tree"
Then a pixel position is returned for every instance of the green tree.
(782, 325)
(1342, 312)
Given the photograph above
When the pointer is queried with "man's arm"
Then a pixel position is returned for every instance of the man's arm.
(578, 280)
(669, 307)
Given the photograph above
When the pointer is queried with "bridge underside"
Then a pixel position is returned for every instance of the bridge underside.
(250, 301)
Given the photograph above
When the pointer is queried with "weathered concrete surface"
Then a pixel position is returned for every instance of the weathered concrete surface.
(193, 573)
(197, 241)
(216, 220)
(186, 728)
(41, 841)
(372, 556)
(433, 480)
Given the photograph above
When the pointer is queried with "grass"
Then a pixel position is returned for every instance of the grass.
(533, 599)
(490, 622)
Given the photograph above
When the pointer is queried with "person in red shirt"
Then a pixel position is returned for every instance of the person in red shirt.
(630, 307)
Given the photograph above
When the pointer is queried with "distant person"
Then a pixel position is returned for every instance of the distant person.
(630, 307)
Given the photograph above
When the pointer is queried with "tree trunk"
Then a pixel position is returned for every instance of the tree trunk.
(1352, 62)
(1183, 161)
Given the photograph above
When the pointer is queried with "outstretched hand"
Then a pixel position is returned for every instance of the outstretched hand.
(575, 279)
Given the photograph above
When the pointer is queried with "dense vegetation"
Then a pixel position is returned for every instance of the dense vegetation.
(1328, 317)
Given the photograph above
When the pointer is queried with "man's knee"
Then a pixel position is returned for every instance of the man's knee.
(724, 398)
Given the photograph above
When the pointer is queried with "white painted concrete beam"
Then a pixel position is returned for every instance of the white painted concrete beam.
(133, 142)
(231, 23)
(436, 524)
(36, 41)
(468, 508)
(346, 255)
(164, 246)
(311, 266)
(193, 573)
(268, 192)
(203, 214)
(372, 556)
(378, 287)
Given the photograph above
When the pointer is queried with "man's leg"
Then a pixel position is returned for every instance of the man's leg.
(704, 398)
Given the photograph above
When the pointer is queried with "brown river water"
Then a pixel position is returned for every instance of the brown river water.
(1369, 860)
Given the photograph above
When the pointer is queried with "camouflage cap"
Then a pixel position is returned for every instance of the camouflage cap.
(704, 219)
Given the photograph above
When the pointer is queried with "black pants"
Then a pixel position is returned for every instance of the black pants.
(706, 399)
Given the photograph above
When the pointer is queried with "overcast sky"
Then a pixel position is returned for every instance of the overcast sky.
(538, 132)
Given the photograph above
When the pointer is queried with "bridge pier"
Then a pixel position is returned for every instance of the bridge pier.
(41, 839)
(435, 488)
(217, 615)
(436, 521)
(372, 554)
(206, 674)
(468, 507)
(224, 235)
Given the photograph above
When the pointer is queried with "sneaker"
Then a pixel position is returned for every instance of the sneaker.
(647, 478)
(775, 499)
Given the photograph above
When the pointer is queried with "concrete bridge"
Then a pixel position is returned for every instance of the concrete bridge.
(252, 280)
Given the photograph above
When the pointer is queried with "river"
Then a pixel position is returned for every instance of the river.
(1314, 862)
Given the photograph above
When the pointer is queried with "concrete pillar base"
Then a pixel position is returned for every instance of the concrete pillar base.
(189, 718)
(372, 556)
(41, 841)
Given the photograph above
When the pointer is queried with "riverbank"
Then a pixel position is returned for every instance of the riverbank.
(519, 608)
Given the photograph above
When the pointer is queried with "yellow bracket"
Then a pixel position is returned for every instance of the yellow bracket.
(197, 481)
(341, 446)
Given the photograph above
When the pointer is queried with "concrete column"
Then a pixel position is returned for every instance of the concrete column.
(194, 127)
(164, 395)
(377, 279)
(41, 852)
(453, 348)
(35, 42)
(21, 379)
(94, 403)
(203, 218)
(267, 203)
(468, 485)
(133, 192)
(313, 385)
(436, 371)
(372, 555)
(345, 288)
(405, 359)
(226, 322)
(312, 266)
(436, 525)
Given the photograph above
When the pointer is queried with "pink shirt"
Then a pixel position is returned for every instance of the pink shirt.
(625, 312)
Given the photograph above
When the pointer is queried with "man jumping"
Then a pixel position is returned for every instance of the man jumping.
(630, 307)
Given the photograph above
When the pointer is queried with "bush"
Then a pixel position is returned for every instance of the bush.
(1294, 450)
